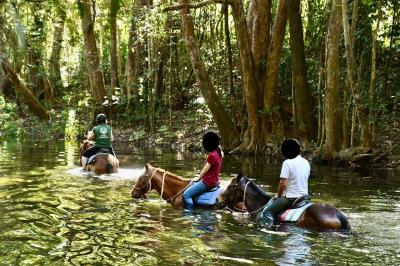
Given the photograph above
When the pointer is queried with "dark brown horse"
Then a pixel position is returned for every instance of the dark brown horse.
(102, 163)
(169, 186)
(320, 217)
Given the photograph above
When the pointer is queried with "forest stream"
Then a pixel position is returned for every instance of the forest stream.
(54, 214)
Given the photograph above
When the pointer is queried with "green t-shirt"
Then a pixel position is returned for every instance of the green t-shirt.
(102, 136)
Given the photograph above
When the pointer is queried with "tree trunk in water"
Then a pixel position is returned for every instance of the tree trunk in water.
(27, 96)
(250, 85)
(114, 6)
(272, 124)
(222, 119)
(332, 108)
(54, 71)
(302, 99)
(95, 73)
(365, 130)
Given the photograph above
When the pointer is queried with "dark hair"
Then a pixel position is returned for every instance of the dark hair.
(211, 142)
(101, 118)
(290, 148)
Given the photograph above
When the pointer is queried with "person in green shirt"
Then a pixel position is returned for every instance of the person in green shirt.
(102, 136)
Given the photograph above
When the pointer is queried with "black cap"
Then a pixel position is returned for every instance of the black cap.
(210, 141)
(101, 118)
(290, 148)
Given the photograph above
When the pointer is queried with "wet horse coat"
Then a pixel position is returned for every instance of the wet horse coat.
(100, 163)
(170, 187)
(318, 216)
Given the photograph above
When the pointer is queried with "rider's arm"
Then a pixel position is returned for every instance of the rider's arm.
(203, 171)
(90, 135)
(282, 186)
(112, 136)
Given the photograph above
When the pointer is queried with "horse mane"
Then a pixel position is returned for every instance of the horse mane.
(257, 188)
(167, 173)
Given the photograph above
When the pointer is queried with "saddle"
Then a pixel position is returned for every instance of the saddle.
(93, 157)
(301, 201)
(208, 198)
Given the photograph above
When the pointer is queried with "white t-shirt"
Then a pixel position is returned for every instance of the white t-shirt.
(297, 171)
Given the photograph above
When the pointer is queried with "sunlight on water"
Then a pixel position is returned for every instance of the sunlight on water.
(53, 213)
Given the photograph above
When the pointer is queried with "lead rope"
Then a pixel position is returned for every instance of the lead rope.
(162, 184)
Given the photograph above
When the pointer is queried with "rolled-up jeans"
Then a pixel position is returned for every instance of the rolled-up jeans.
(278, 205)
(194, 190)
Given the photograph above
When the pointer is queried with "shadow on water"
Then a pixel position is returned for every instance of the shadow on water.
(53, 214)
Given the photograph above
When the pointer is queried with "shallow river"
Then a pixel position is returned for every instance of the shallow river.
(53, 214)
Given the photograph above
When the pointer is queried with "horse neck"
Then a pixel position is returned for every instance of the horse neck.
(255, 198)
(172, 184)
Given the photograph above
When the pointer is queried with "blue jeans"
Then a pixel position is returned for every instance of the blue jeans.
(194, 190)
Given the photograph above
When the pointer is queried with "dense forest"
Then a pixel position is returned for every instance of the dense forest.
(259, 71)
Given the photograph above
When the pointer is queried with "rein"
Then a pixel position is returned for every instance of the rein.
(244, 202)
(148, 184)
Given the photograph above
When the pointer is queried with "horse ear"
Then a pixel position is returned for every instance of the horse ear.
(146, 167)
(239, 177)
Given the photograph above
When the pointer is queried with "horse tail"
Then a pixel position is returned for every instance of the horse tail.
(109, 168)
(344, 222)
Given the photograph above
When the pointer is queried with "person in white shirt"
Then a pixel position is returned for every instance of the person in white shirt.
(293, 181)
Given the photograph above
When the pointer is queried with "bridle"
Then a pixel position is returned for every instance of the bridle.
(244, 198)
(148, 186)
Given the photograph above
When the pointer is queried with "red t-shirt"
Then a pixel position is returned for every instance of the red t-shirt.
(211, 178)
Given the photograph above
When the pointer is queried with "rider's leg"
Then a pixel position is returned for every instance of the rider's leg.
(270, 214)
(192, 191)
(83, 161)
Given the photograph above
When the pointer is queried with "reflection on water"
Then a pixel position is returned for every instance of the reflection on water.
(51, 213)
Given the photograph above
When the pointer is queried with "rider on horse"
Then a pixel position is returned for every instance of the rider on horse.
(293, 181)
(209, 175)
(102, 135)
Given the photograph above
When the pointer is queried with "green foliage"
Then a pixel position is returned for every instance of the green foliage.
(10, 124)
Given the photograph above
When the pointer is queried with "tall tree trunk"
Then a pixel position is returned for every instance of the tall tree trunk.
(114, 6)
(95, 73)
(233, 95)
(304, 125)
(332, 109)
(250, 85)
(365, 130)
(272, 123)
(27, 96)
(372, 87)
(130, 61)
(259, 24)
(222, 119)
(54, 68)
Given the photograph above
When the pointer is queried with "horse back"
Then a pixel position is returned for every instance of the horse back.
(324, 217)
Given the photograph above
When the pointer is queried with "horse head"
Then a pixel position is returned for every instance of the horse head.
(143, 185)
(242, 189)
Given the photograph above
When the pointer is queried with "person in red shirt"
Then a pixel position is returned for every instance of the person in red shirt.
(209, 175)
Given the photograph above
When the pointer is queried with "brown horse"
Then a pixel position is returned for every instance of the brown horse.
(320, 217)
(169, 186)
(102, 163)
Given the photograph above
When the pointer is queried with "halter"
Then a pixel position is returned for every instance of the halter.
(148, 184)
(244, 200)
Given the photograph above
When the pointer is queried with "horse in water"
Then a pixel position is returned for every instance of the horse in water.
(170, 187)
(316, 216)
(100, 163)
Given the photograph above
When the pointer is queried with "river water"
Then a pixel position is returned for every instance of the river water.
(53, 214)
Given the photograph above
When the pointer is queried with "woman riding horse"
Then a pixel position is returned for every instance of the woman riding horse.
(317, 216)
(105, 160)
(169, 186)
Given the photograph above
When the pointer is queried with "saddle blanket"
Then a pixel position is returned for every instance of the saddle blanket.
(208, 198)
(292, 215)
